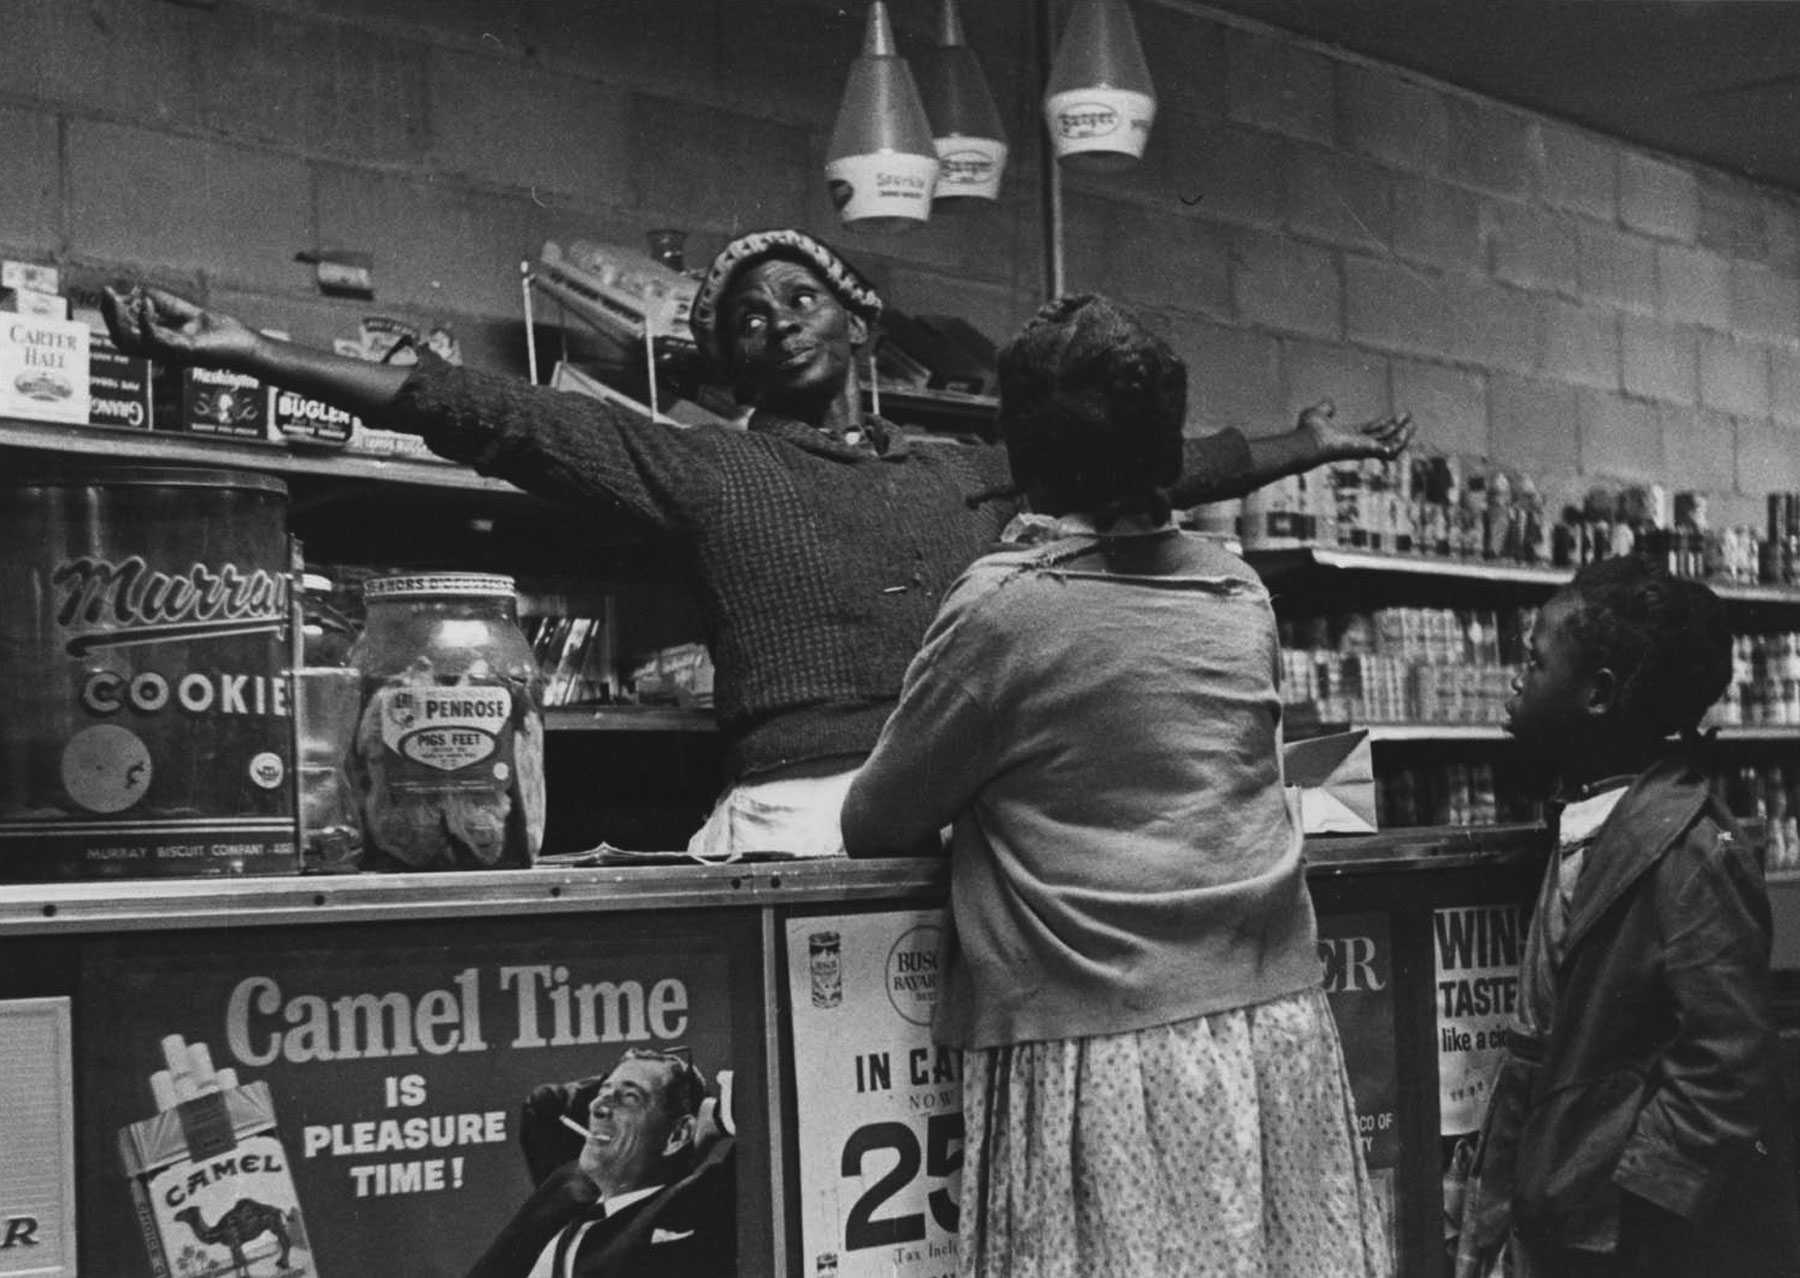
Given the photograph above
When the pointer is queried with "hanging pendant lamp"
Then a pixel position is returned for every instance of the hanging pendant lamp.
(1100, 103)
(965, 123)
(881, 165)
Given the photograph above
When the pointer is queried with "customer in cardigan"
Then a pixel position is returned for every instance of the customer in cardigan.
(640, 1196)
(1637, 1127)
(1153, 1083)
(822, 541)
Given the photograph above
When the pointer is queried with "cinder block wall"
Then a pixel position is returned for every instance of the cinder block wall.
(1304, 224)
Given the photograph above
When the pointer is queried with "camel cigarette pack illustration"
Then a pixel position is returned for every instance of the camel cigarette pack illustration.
(210, 1178)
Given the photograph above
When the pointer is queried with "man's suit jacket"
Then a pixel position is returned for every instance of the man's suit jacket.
(688, 1230)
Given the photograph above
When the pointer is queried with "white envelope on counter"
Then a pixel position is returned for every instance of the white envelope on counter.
(1333, 779)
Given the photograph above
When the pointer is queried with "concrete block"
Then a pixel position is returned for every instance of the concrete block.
(1169, 263)
(1694, 286)
(1768, 459)
(1355, 382)
(1495, 326)
(488, 126)
(185, 203)
(1784, 385)
(442, 246)
(998, 311)
(1578, 172)
(1450, 406)
(135, 61)
(30, 197)
(1234, 377)
(1230, 173)
(1532, 247)
(1437, 224)
(1734, 375)
(308, 320)
(1781, 225)
(1394, 119)
(1534, 424)
(1090, 229)
(1658, 199)
(1699, 447)
(1731, 218)
(1282, 284)
(1616, 268)
(1765, 303)
(1187, 59)
(669, 46)
(451, 21)
(1581, 345)
(1447, 317)
(788, 58)
(691, 164)
(1275, 85)
(1392, 307)
(325, 88)
(1489, 147)
(1340, 199)
(1620, 438)
(1660, 360)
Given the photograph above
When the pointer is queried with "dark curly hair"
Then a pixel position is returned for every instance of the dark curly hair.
(1091, 408)
(1667, 641)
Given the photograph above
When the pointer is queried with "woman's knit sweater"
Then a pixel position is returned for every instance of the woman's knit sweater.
(820, 564)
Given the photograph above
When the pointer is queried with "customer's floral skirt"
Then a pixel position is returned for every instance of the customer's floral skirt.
(1220, 1145)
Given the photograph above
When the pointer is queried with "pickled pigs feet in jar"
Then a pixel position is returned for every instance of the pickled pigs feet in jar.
(448, 762)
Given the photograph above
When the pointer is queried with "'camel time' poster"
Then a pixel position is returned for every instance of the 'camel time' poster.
(344, 1101)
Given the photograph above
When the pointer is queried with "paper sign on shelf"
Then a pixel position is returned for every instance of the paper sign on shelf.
(1335, 780)
(37, 1140)
(878, 1106)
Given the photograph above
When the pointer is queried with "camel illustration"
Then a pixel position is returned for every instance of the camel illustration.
(246, 1220)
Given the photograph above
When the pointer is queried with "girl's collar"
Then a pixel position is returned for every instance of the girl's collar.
(1030, 529)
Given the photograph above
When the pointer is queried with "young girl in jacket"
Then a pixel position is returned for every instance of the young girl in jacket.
(1637, 1128)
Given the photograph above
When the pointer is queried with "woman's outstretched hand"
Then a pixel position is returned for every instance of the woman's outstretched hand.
(1384, 437)
(161, 326)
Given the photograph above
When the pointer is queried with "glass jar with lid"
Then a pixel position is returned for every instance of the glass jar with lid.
(449, 758)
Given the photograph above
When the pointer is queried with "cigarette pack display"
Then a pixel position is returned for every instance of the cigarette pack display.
(210, 1177)
(30, 277)
(307, 422)
(43, 369)
(206, 401)
(22, 301)
(118, 385)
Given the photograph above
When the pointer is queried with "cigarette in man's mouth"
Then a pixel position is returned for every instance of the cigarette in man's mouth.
(580, 1129)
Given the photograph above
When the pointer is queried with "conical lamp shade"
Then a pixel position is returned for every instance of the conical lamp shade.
(881, 166)
(965, 123)
(1100, 103)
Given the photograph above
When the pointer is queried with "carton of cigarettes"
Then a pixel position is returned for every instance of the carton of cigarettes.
(43, 368)
(22, 301)
(30, 277)
(209, 1175)
(209, 401)
(306, 422)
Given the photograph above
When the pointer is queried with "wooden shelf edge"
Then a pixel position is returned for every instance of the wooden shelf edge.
(152, 447)
(1287, 559)
(628, 719)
